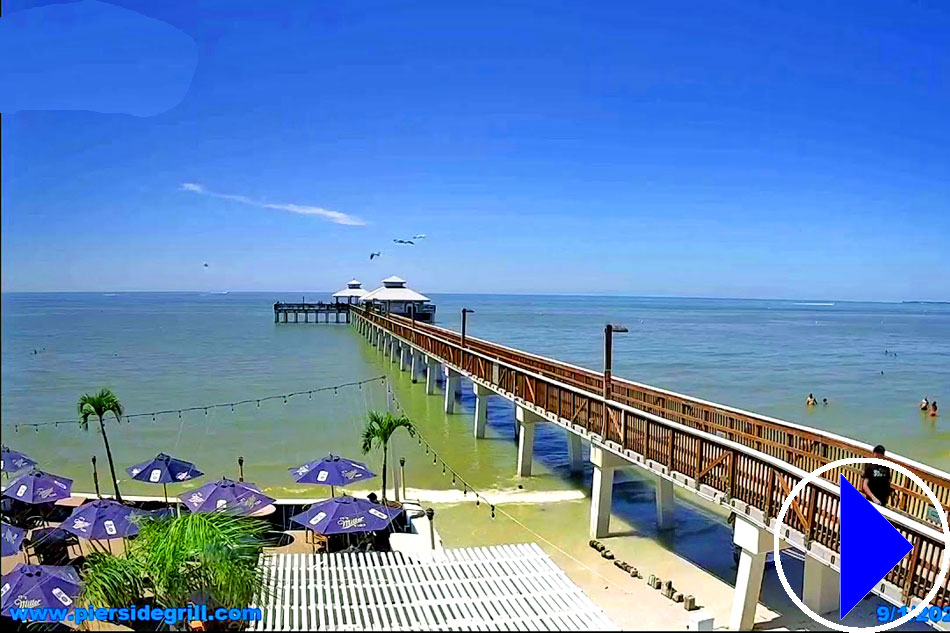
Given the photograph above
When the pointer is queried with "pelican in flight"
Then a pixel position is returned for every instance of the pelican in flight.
(420, 236)
(404, 242)
(375, 254)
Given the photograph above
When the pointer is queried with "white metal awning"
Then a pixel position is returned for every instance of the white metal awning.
(503, 587)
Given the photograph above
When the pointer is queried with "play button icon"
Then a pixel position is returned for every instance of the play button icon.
(870, 547)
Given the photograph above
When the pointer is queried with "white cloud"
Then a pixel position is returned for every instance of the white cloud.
(333, 216)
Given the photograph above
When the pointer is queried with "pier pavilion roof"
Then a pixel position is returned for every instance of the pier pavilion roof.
(394, 289)
(353, 289)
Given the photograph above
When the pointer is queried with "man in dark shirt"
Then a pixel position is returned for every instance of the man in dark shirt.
(876, 483)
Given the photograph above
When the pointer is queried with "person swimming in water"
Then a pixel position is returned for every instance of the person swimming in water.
(924, 404)
(933, 409)
(810, 400)
(824, 402)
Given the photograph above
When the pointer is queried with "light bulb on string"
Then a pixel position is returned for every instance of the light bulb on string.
(476, 500)
(443, 468)
(258, 404)
(206, 410)
(153, 417)
(309, 395)
(433, 458)
(453, 476)
(179, 415)
(493, 512)
(285, 399)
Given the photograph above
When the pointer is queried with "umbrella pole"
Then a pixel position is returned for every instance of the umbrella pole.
(95, 477)
(332, 491)
(165, 490)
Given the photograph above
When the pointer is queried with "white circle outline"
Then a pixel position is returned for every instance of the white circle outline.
(813, 477)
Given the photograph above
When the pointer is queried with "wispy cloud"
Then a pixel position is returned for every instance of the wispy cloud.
(303, 209)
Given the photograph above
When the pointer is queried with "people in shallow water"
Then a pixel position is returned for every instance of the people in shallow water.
(810, 400)
(924, 404)
(933, 409)
(824, 402)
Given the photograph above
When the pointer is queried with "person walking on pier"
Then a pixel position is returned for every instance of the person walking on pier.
(876, 482)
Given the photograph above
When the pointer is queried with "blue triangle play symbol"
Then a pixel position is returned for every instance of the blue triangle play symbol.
(870, 547)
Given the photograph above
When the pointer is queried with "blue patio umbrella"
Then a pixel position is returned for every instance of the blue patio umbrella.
(226, 495)
(38, 587)
(12, 461)
(102, 519)
(332, 471)
(164, 469)
(12, 538)
(37, 486)
(346, 515)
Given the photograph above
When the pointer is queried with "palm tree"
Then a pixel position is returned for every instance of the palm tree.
(379, 428)
(202, 558)
(100, 404)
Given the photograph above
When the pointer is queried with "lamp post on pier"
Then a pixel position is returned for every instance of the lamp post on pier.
(465, 311)
(609, 330)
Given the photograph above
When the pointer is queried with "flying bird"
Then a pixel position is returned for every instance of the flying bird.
(206, 264)
(372, 255)
(420, 236)
(404, 242)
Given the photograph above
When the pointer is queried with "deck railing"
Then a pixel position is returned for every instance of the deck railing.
(747, 457)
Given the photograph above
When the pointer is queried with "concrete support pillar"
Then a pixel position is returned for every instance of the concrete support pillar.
(664, 504)
(574, 452)
(415, 362)
(820, 588)
(754, 543)
(481, 409)
(432, 377)
(393, 349)
(452, 379)
(605, 463)
(405, 353)
(526, 421)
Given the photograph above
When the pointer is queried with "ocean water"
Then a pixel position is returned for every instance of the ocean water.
(165, 351)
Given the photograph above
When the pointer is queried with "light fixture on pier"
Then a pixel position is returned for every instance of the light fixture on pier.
(609, 330)
(465, 311)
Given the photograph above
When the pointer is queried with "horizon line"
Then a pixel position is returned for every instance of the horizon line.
(503, 294)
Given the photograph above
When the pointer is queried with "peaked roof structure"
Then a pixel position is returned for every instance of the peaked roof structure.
(394, 289)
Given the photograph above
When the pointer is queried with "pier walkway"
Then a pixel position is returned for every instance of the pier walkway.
(745, 462)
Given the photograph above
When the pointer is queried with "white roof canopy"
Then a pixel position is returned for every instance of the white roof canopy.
(394, 289)
(353, 289)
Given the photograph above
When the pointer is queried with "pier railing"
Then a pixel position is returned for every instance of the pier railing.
(744, 456)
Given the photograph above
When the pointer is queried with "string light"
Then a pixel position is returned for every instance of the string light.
(153, 414)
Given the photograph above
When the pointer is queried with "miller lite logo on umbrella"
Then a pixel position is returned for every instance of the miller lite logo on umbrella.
(39, 587)
(37, 486)
(12, 461)
(103, 519)
(341, 515)
(332, 470)
(227, 495)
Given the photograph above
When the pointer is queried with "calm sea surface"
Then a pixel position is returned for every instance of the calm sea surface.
(168, 350)
(163, 351)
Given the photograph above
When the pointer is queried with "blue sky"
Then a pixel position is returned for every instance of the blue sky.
(741, 149)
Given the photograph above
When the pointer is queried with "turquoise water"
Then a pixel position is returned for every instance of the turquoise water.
(172, 350)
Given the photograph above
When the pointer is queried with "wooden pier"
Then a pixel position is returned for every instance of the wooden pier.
(284, 311)
(744, 462)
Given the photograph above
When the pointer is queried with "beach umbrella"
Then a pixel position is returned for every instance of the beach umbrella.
(332, 471)
(11, 537)
(346, 515)
(37, 486)
(39, 587)
(164, 469)
(11, 461)
(226, 495)
(102, 519)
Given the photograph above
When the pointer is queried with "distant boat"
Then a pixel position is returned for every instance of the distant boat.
(220, 292)
(814, 304)
(110, 294)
